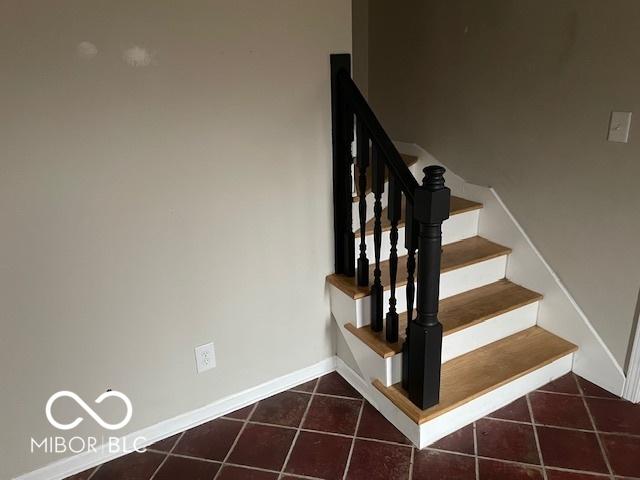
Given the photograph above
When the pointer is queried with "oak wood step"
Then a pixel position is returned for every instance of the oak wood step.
(454, 255)
(458, 206)
(409, 160)
(471, 375)
(456, 313)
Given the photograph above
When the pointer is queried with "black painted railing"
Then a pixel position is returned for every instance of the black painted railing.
(426, 207)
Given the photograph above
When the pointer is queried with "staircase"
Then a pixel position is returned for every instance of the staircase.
(481, 345)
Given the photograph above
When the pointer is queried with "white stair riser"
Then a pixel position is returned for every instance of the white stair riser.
(458, 227)
(429, 432)
(478, 408)
(358, 312)
(468, 339)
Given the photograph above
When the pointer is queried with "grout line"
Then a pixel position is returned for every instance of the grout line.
(259, 469)
(353, 442)
(95, 470)
(593, 423)
(475, 450)
(164, 460)
(411, 462)
(623, 434)
(190, 457)
(535, 434)
(295, 437)
(235, 442)
(522, 464)
(585, 396)
(344, 397)
(335, 434)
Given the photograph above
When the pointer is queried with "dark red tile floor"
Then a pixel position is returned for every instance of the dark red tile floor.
(323, 429)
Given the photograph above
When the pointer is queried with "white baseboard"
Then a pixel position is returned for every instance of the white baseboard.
(78, 463)
(631, 390)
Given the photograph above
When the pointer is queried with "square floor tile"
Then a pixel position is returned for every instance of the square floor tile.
(379, 461)
(430, 465)
(571, 449)
(561, 475)
(166, 444)
(262, 446)
(230, 472)
(135, 466)
(518, 411)
(211, 440)
(82, 475)
(179, 467)
(334, 384)
(507, 441)
(623, 453)
(306, 387)
(615, 416)
(592, 390)
(374, 425)
(565, 384)
(319, 455)
(241, 414)
(560, 410)
(286, 408)
(460, 441)
(495, 470)
(331, 414)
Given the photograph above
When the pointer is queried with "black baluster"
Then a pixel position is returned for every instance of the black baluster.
(410, 243)
(363, 162)
(394, 212)
(431, 208)
(349, 237)
(377, 291)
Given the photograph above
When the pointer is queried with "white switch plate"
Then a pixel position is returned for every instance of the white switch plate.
(205, 357)
(619, 127)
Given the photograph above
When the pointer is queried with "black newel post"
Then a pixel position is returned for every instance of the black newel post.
(342, 136)
(431, 208)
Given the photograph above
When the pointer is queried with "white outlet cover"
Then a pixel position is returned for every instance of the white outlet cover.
(205, 357)
(619, 126)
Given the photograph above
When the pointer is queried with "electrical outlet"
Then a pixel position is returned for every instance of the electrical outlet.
(205, 357)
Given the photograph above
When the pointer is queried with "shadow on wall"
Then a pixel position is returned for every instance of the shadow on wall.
(634, 330)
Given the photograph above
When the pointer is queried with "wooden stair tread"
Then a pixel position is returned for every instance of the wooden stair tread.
(458, 206)
(454, 255)
(456, 313)
(478, 372)
(409, 160)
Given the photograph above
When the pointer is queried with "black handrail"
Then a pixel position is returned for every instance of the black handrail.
(392, 157)
(427, 206)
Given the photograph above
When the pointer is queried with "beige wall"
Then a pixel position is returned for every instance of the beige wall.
(146, 211)
(360, 50)
(517, 94)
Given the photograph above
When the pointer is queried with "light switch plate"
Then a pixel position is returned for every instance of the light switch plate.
(619, 126)
(205, 357)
